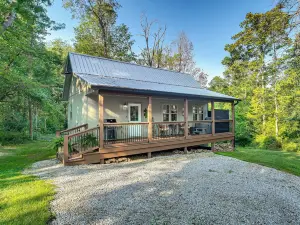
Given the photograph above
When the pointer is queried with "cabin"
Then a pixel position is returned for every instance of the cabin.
(117, 109)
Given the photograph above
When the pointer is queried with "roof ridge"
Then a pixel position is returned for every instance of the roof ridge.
(114, 60)
(124, 78)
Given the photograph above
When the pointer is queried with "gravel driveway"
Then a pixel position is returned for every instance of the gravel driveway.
(179, 189)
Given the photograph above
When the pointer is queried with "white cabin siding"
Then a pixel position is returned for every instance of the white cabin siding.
(85, 107)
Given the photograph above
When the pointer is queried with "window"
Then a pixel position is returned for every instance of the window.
(169, 112)
(197, 113)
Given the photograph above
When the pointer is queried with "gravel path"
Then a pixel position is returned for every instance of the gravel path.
(180, 189)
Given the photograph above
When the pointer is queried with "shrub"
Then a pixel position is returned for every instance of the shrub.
(268, 142)
(11, 137)
(291, 146)
(243, 141)
(57, 143)
(89, 140)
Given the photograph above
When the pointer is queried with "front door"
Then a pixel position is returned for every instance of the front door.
(134, 116)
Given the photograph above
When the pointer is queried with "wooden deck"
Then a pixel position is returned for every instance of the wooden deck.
(126, 149)
(94, 145)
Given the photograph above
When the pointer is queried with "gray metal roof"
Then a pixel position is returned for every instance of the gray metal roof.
(101, 72)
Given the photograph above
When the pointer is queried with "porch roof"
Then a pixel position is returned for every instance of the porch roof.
(102, 73)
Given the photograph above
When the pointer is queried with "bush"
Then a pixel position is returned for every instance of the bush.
(243, 141)
(291, 146)
(57, 143)
(10, 137)
(268, 142)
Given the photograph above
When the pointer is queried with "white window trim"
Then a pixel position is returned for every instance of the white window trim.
(198, 114)
(170, 114)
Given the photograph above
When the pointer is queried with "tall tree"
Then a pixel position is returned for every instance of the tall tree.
(184, 59)
(102, 11)
(27, 69)
(97, 33)
(256, 71)
(152, 53)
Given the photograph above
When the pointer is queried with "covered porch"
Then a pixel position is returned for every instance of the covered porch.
(121, 124)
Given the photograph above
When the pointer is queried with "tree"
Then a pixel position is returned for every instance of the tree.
(293, 8)
(184, 59)
(256, 72)
(97, 33)
(28, 75)
(152, 53)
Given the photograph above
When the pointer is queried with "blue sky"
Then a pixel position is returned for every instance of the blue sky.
(209, 24)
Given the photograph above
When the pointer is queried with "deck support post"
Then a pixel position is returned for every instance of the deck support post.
(149, 155)
(185, 150)
(186, 118)
(213, 146)
(149, 115)
(213, 118)
(66, 149)
(101, 121)
(233, 124)
(101, 161)
(57, 133)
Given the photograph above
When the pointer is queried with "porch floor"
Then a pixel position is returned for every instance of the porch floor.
(113, 150)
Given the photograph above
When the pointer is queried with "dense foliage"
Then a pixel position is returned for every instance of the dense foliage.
(30, 80)
(262, 69)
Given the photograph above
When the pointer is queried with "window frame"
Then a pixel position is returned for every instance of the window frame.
(170, 112)
(197, 113)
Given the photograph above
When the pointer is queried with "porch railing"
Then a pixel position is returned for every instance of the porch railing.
(163, 130)
(72, 130)
(79, 143)
(200, 127)
(125, 132)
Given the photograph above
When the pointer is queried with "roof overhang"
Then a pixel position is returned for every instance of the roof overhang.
(117, 90)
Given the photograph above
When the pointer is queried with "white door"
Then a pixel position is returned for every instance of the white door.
(134, 116)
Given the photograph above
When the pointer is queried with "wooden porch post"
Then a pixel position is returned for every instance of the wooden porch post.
(213, 123)
(101, 121)
(66, 149)
(149, 119)
(233, 124)
(213, 117)
(186, 118)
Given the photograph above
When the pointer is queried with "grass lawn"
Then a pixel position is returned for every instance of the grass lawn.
(24, 199)
(285, 161)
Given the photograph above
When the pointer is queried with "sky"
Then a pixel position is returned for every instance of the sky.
(209, 24)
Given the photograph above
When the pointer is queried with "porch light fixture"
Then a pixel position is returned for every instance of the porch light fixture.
(125, 106)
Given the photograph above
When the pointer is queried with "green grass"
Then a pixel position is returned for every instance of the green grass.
(285, 161)
(24, 199)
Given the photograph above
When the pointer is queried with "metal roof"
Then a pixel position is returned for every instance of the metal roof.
(101, 72)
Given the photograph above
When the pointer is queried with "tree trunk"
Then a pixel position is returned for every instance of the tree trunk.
(30, 120)
(275, 92)
(263, 106)
(276, 113)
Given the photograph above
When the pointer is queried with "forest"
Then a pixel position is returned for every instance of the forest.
(262, 66)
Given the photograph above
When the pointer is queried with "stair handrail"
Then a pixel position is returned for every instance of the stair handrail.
(59, 133)
(66, 142)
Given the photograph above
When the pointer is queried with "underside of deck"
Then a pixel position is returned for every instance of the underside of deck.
(126, 149)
